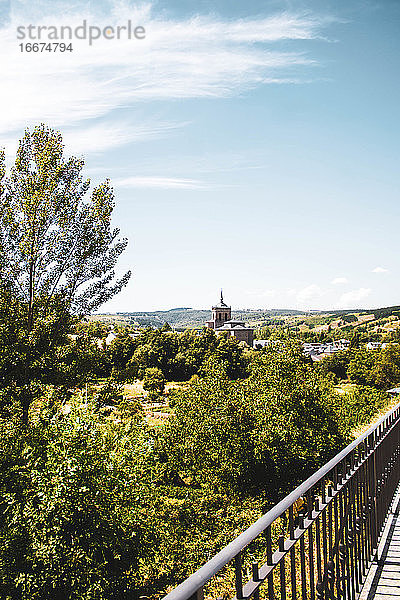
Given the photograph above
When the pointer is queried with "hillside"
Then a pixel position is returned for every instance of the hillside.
(371, 324)
(190, 317)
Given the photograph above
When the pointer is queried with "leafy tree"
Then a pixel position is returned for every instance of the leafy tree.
(108, 393)
(80, 508)
(228, 351)
(336, 363)
(194, 350)
(357, 407)
(294, 408)
(263, 433)
(93, 329)
(386, 371)
(376, 368)
(355, 340)
(58, 254)
(209, 442)
(121, 350)
(178, 356)
(154, 382)
(360, 367)
(263, 333)
(144, 357)
(82, 360)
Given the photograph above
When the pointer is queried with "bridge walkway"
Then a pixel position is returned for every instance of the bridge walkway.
(383, 579)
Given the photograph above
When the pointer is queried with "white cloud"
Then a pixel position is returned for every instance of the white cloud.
(160, 182)
(380, 270)
(353, 298)
(101, 136)
(308, 293)
(195, 57)
(339, 280)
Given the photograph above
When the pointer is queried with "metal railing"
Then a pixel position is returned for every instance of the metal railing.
(318, 542)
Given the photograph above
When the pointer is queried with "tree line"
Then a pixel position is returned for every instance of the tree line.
(177, 356)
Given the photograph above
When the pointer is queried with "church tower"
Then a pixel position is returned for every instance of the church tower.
(220, 314)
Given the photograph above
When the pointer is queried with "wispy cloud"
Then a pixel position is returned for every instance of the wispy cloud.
(101, 136)
(160, 182)
(309, 293)
(353, 298)
(199, 57)
(380, 270)
(339, 280)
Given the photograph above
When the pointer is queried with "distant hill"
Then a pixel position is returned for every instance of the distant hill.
(190, 317)
(346, 320)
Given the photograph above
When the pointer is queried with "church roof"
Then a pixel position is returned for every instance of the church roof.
(229, 325)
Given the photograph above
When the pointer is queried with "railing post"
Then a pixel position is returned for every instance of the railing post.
(256, 577)
(238, 576)
(271, 594)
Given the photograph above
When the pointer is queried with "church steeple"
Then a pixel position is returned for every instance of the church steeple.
(220, 313)
(221, 303)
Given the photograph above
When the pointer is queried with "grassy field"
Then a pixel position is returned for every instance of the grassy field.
(156, 412)
(345, 388)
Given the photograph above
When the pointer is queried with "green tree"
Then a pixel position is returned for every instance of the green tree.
(355, 340)
(80, 507)
(93, 329)
(357, 407)
(360, 366)
(58, 253)
(386, 371)
(154, 382)
(261, 434)
(336, 363)
(121, 350)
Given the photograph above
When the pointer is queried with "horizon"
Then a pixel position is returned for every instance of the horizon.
(237, 309)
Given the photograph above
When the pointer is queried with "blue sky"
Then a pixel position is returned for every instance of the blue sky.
(252, 146)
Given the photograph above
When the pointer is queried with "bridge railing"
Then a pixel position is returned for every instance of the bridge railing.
(317, 542)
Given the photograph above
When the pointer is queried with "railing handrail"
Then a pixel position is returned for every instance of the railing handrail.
(192, 584)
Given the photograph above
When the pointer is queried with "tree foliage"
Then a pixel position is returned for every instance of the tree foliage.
(58, 253)
(263, 433)
(375, 368)
(154, 382)
(74, 490)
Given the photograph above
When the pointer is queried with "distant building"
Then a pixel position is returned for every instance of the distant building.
(373, 345)
(258, 344)
(112, 335)
(314, 349)
(220, 314)
(344, 344)
(110, 338)
(331, 349)
(222, 323)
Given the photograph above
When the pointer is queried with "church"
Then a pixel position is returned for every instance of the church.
(221, 322)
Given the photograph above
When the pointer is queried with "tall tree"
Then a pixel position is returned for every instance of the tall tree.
(58, 252)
